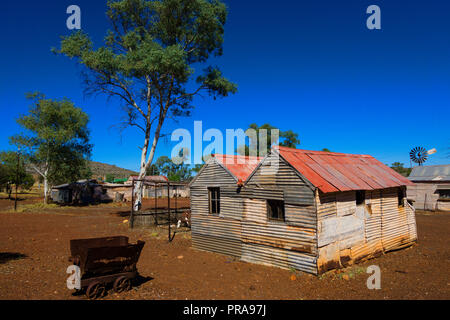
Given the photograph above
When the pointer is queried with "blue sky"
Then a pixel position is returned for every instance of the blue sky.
(308, 66)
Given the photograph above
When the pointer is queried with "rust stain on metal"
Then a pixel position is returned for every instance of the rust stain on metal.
(104, 260)
(331, 171)
(240, 166)
(304, 249)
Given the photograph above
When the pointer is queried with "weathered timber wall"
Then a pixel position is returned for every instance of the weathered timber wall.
(218, 233)
(426, 197)
(286, 244)
(358, 232)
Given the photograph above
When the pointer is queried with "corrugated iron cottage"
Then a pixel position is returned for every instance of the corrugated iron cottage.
(309, 210)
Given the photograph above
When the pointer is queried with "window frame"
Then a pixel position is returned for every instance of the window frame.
(401, 197)
(358, 197)
(443, 191)
(216, 200)
(280, 203)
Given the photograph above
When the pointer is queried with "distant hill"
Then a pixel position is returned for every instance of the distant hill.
(102, 169)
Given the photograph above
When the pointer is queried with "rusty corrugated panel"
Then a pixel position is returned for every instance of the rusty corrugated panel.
(394, 223)
(358, 232)
(277, 257)
(303, 164)
(230, 247)
(280, 236)
(411, 218)
(216, 226)
(240, 166)
(373, 221)
(331, 172)
(326, 205)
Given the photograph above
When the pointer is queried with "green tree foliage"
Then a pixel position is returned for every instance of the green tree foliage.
(326, 150)
(173, 171)
(285, 139)
(3, 176)
(399, 167)
(289, 139)
(12, 172)
(56, 141)
(147, 62)
(197, 167)
(153, 170)
(110, 178)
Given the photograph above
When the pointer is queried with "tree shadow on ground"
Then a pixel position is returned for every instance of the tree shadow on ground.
(122, 213)
(8, 256)
(12, 198)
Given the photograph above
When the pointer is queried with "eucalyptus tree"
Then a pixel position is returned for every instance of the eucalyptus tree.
(266, 135)
(13, 172)
(55, 141)
(147, 62)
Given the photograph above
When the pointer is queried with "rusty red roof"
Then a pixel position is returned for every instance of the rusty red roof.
(239, 166)
(332, 171)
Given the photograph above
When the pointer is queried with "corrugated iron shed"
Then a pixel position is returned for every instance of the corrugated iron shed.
(150, 179)
(430, 173)
(331, 171)
(239, 166)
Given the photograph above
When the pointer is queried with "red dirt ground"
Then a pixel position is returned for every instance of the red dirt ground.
(34, 248)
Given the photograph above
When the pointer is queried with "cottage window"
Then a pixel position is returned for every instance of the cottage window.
(275, 209)
(400, 197)
(360, 197)
(444, 194)
(214, 200)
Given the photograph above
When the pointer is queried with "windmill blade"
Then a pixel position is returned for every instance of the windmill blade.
(418, 155)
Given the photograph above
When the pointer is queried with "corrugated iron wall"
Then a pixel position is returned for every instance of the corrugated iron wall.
(286, 244)
(356, 233)
(243, 229)
(217, 233)
(424, 195)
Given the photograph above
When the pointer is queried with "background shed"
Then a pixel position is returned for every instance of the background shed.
(431, 189)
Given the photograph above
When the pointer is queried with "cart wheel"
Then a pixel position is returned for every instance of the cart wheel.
(95, 290)
(122, 284)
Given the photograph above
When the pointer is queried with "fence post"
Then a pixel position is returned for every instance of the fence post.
(132, 205)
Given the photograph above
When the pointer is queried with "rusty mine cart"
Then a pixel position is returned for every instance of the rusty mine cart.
(103, 261)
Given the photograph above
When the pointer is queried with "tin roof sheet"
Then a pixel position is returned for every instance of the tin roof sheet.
(332, 171)
(430, 173)
(239, 166)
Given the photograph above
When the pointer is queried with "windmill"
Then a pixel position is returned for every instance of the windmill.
(419, 155)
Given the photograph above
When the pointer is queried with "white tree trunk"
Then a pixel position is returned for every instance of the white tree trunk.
(139, 186)
(145, 163)
(45, 190)
(44, 175)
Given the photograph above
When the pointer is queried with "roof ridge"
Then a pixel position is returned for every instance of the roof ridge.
(323, 152)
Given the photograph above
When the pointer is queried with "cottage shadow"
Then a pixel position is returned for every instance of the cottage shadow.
(136, 283)
(8, 256)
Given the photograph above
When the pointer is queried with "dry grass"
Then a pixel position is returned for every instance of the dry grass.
(346, 273)
(21, 195)
(40, 206)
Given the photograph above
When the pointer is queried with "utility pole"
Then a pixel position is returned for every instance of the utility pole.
(17, 178)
